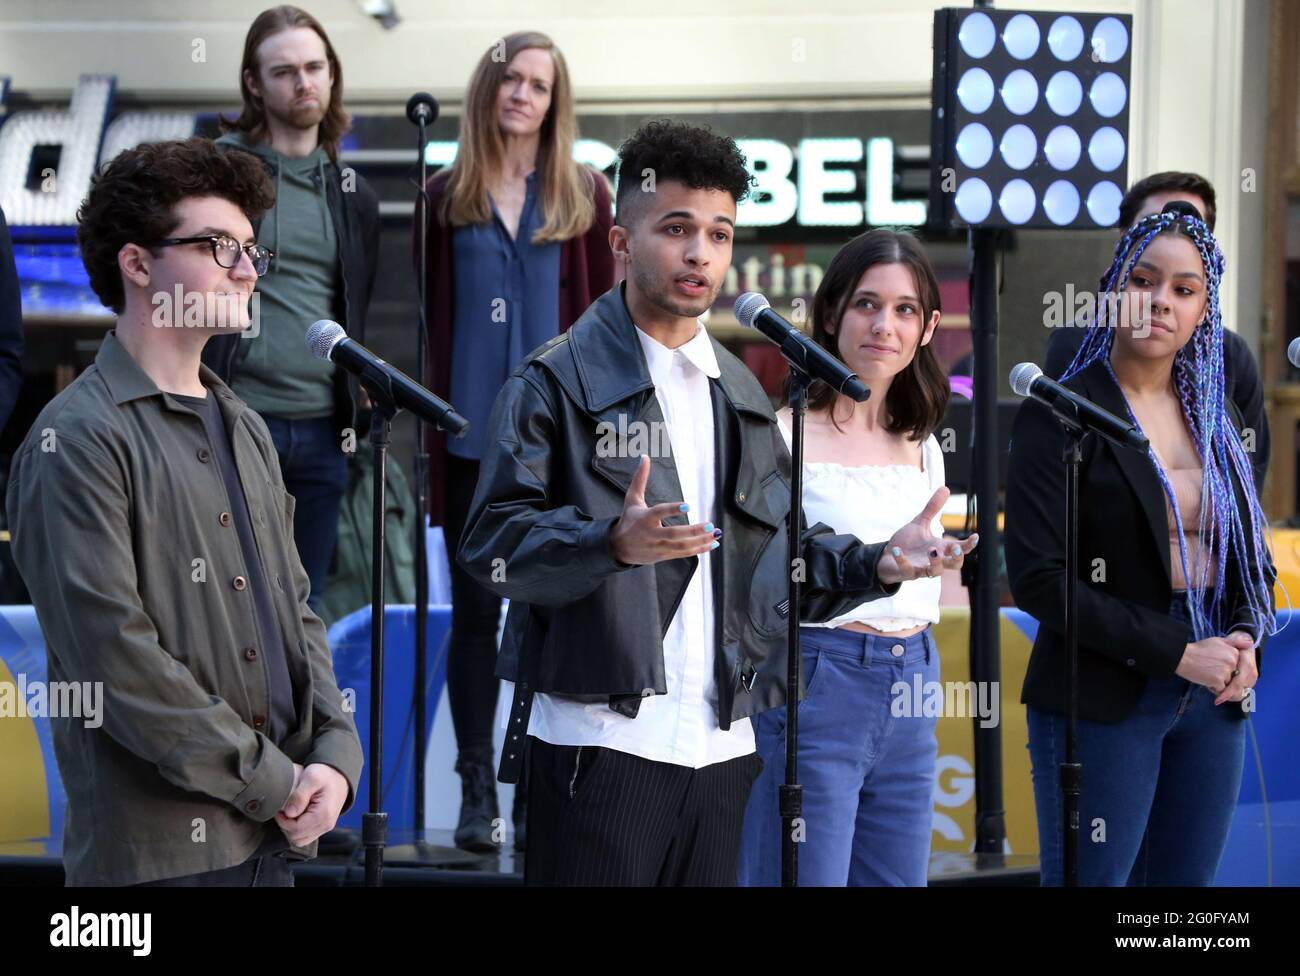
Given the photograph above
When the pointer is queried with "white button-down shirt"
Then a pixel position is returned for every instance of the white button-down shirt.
(680, 727)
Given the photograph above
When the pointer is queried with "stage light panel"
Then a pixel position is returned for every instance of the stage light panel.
(1030, 118)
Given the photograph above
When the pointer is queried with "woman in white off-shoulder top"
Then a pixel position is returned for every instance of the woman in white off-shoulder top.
(866, 760)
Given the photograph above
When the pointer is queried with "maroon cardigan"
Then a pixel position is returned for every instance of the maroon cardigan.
(586, 273)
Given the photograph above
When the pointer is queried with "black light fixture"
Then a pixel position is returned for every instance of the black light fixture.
(1030, 118)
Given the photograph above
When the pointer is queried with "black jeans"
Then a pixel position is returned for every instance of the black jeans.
(472, 683)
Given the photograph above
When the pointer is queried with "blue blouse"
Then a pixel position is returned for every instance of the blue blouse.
(506, 304)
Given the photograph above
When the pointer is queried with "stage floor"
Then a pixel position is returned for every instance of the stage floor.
(435, 862)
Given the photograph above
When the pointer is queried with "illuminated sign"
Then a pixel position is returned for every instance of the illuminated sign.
(47, 158)
(778, 197)
(815, 185)
(80, 136)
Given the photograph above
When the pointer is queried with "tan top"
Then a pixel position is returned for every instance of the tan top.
(1186, 483)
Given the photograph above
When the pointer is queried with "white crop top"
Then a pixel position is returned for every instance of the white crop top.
(872, 502)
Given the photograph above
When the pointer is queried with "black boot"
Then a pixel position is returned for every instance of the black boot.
(478, 806)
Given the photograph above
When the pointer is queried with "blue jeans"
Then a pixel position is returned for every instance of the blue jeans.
(315, 472)
(867, 773)
(1158, 791)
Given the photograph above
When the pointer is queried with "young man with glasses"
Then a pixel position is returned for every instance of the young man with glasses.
(324, 229)
(151, 524)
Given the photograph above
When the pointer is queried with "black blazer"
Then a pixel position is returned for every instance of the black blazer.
(1125, 631)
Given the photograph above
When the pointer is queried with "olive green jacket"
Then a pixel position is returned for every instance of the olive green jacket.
(120, 528)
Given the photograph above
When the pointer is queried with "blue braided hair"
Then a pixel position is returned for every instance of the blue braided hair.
(1198, 378)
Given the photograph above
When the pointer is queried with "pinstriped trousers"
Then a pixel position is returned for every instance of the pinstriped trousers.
(598, 816)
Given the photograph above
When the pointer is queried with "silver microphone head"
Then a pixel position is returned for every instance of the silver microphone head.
(323, 336)
(1023, 376)
(1293, 353)
(749, 305)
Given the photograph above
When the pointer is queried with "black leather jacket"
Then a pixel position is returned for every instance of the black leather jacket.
(583, 625)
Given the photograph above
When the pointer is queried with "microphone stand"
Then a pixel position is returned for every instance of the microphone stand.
(981, 570)
(421, 489)
(1071, 770)
(374, 822)
(791, 792)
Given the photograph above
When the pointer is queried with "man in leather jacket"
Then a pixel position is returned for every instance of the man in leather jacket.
(640, 642)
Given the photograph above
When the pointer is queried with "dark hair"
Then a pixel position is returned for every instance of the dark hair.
(918, 396)
(1167, 182)
(676, 151)
(133, 199)
(252, 118)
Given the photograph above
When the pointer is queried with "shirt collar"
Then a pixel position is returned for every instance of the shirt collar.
(126, 381)
(697, 351)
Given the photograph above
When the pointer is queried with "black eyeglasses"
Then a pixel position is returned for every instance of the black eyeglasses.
(225, 250)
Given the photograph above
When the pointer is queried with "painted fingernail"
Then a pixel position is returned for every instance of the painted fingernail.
(956, 550)
(934, 553)
(708, 526)
(715, 545)
(717, 533)
(683, 507)
(895, 552)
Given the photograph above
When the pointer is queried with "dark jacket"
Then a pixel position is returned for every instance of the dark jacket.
(583, 625)
(121, 530)
(1125, 631)
(1241, 385)
(586, 272)
(355, 213)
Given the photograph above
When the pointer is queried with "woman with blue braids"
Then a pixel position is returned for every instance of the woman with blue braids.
(1175, 588)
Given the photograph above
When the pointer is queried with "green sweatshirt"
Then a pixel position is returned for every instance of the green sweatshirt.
(274, 372)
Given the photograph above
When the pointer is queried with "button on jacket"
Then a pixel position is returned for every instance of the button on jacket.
(115, 506)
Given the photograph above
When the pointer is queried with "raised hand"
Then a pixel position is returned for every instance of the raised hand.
(915, 552)
(640, 537)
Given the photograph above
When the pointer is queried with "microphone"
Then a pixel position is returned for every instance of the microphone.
(327, 340)
(753, 311)
(1027, 380)
(1293, 353)
(422, 107)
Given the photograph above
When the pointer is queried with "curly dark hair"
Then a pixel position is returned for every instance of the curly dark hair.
(688, 154)
(133, 200)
